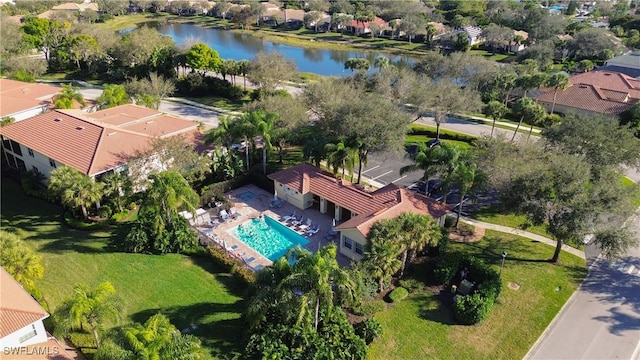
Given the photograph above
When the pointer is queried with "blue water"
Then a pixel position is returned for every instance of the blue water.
(246, 196)
(268, 237)
(231, 45)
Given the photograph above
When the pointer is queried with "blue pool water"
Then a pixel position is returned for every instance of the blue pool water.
(268, 237)
(246, 196)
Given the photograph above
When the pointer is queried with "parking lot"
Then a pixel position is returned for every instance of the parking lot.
(385, 169)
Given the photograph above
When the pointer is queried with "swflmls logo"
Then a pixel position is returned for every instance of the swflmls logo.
(32, 350)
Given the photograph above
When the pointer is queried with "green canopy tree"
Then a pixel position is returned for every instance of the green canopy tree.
(557, 81)
(269, 70)
(202, 57)
(75, 189)
(20, 261)
(359, 64)
(418, 231)
(117, 186)
(88, 309)
(66, 98)
(494, 109)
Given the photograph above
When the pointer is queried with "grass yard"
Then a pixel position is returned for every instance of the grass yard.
(420, 327)
(189, 290)
(129, 21)
(494, 216)
(220, 102)
(411, 139)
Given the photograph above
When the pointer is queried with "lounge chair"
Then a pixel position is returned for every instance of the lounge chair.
(224, 215)
(249, 260)
(298, 221)
(275, 204)
(233, 212)
(258, 267)
(313, 230)
(290, 216)
(304, 227)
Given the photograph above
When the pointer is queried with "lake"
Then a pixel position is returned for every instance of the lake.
(231, 45)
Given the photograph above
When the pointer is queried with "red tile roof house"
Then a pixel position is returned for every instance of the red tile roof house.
(305, 186)
(361, 28)
(22, 100)
(93, 143)
(596, 92)
(22, 333)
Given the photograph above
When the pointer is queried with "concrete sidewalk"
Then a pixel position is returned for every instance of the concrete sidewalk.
(526, 234)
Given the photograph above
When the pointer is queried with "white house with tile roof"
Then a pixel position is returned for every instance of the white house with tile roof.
(22, 100)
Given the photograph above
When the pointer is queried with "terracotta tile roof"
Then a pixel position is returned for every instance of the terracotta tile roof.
(601, 91)
(91, 146)
(359, 25)
(18, 96)
(386, 202)
(17, 308)
(70, 6)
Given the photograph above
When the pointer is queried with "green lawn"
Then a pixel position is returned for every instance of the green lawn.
(420, 327)
(220, 102)
(494, 216)
(411, 139)
(130, 21)
(189, 290)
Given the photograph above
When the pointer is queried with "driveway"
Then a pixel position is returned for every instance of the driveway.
(602, 318)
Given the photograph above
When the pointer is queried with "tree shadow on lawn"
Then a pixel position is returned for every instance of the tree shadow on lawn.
(438, 307)
(221, 336)
(206, 263)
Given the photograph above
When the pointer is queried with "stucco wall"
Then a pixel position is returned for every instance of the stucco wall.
(357, 237)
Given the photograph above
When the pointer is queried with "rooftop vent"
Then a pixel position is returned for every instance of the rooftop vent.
(57, 119)
(79, 127)
(150, 122)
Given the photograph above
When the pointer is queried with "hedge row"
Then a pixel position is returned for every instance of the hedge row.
(416, 129)
(230, 264)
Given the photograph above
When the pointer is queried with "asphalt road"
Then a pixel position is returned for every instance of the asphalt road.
(602, 318)
(385, 169)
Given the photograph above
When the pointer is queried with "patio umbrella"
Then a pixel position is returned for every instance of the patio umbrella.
(333, 224)
(275, 195)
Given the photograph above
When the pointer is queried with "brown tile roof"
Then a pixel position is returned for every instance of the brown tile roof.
(606, 92)
(18, 96)
(386, 202)
(78, 140)
(17, 308)
(70, 6)
(359, 25)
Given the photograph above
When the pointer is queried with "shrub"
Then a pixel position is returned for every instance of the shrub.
(472, 309)
(412, 285)
(105, 211)
(369, 308)
(368, 330)
(398, 294)
(221, 258)
(242, 274)
(415, 129)
(447, 268)
(132, 206)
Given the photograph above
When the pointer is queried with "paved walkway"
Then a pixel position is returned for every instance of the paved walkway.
(526, 234)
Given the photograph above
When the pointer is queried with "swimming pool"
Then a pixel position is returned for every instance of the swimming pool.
(268, 237)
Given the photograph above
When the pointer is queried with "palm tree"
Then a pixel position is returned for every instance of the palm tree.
(20, 261)
(523, 107)
(116, 186)
(316, 279)
(113, 95)
(469, 177)
(315, 149)
(558, 81)
(66, 98)
(449, 157)
(496, 110)
(75, 189)
(159, 339)
(89, 308)
(425, 159)
(418, 231)
(340, 156)
(168, 193)
(261, 123)
(222, 133)
(243, 69)
(381, 255)
(381, 63)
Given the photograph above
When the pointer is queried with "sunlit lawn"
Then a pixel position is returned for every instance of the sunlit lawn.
(420, 327)
(494, 216)
(220, 102)
(187, 289)
(123, 22)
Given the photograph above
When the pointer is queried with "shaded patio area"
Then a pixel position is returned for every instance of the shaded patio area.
(250, 202)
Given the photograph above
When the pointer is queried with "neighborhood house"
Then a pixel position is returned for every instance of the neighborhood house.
(22, 100)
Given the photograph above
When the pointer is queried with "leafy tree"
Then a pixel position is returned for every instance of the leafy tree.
(89, 308)
(113, 95)
(591, 43)
(381, 63)
(527, 109)
(269, 70)
(117, 186)
(471, 179)
(382, 251)
(157, 338)
(66, 98)
(83, 47)
(340, 156)
(155, 85)
(204, 58)
(7, 120)
(20, 261)
(497, 36)
(418, 232)
(315, 149)
(258, 123)
(585, 65)
(424, 159)
(494, 109)
(631, 118)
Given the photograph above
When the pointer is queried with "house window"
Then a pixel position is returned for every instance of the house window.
(52, 163)
(359, 249)
(348, 243)
(30, 152)
(28, 335)
(35, 169)
(16, 148)
(21, 165)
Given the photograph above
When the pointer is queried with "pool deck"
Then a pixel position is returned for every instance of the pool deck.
(259, 204)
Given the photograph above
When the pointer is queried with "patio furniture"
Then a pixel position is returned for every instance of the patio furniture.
(233, 212)
(290, 216)
(313, 230)
(298, 221)
(249, 260)
(224, 215)
(276, 203)
(257, 267)
(305, 226)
